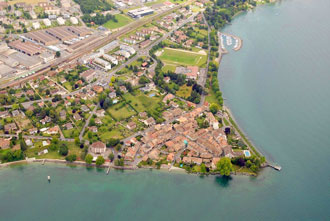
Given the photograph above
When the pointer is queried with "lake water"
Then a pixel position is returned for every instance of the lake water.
(277, 87)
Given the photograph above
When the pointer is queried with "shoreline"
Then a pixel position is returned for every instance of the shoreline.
(104, 166)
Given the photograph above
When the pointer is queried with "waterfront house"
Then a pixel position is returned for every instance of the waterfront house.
(98, 147)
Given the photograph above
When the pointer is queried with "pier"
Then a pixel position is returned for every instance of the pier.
(108, 170)
(276, 167)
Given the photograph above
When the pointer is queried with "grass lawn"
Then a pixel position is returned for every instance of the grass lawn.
(142, 102)
(184, 91)
(182, 57)
(122, 21)
(71, 133)
(168, 67)
(121, 111)
(211, 98)
(116, 133)
(68, 86)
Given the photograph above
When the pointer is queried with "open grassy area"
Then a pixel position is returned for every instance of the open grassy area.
(168, 67)
(184, 91)
(142, 102)
(122, 21)
(68, 86)
(116, 133)
(33, 152)
(182, 57)
(211, 98)
(121, 111)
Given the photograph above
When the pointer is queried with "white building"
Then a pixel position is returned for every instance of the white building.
(123, 53)
(110, 58)
(47, 22)
(60, 21)
(109, 47)
(106, 65)
(36, 25)
(74, 20)
(127, 48)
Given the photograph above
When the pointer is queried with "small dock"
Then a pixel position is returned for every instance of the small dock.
(108, 170)
(276, 167)
(43, 162)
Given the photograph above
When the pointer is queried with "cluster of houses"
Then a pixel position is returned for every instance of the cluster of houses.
(105, 61)
(28, 15)
(183, 138)
(144, 36)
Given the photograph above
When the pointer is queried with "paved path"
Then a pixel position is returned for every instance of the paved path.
(87, 123)
(35, 137)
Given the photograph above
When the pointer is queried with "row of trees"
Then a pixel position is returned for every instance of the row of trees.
(98, 19)
(90, 6)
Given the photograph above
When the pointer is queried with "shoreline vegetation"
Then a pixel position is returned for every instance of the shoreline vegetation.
(107, 168)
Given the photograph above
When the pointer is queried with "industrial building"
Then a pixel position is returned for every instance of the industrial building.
(26, 47)
(140, 12)
(79, 31)
(61, 33)
(42, 37)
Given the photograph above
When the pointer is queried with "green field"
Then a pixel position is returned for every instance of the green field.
(142, 102)
(181, 57)
(122, 21)
(168, 67)
(121, 111)
(184, 91)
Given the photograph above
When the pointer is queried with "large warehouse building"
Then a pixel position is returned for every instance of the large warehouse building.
(42, 37)
(53, 36)
(140, 12)
(26, 47)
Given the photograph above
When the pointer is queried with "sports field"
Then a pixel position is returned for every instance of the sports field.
(182, 57)
(122, 21)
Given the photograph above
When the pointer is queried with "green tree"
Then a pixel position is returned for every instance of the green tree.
(99, 161)
(89, 159)
(23, 145)
(58, 54)
(64, 150)
(203, 168)
(111, 157)
(71, 157)
(214, 108)
(224, 166)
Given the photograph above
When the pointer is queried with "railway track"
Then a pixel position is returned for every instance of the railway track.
(93, 46)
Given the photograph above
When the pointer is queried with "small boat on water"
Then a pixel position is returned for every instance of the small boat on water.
(48, 178)
(229, 41)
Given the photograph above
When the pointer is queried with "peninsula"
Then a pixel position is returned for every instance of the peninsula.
(120, 86)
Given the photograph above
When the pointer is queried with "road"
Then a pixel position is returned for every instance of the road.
(36, 137)
(207, 64)
(87, 123)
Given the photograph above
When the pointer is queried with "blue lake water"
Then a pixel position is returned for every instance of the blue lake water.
(277, 87)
